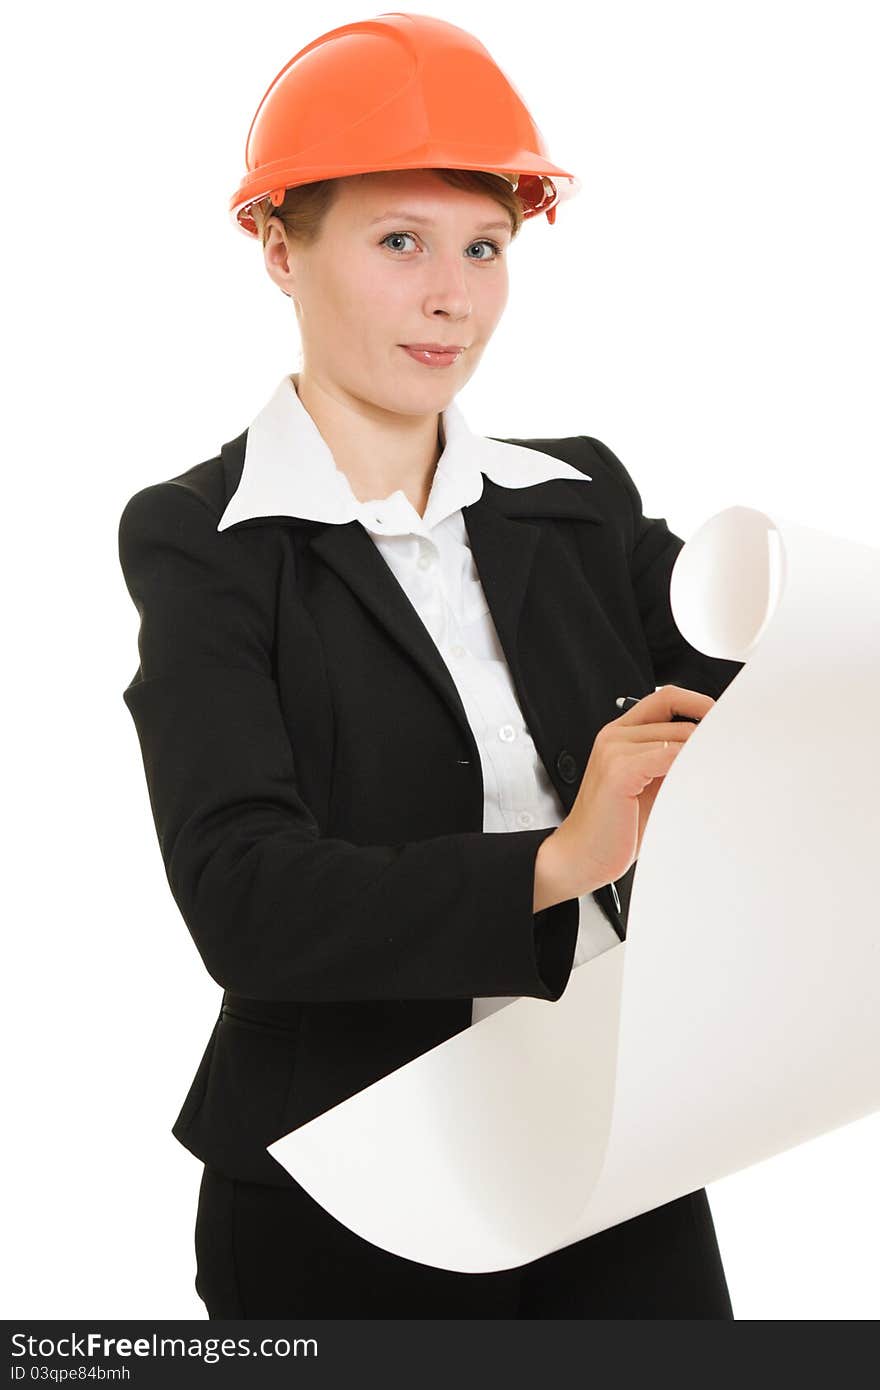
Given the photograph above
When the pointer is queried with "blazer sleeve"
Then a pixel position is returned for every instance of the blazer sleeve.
(654, 550)
(278, 911)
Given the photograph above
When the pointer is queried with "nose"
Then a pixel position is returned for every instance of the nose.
(448, 291)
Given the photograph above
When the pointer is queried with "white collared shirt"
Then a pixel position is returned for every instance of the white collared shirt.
(289, 470)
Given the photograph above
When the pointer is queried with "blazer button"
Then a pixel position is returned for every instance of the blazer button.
(568, 768)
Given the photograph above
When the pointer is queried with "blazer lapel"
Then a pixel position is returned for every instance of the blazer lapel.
(504, 545)
(349, 550)
(513, 555)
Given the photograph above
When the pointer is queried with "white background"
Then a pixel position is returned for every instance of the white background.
(708, 306)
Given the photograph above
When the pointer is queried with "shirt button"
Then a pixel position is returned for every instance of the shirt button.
(458, 650)
(507, 733)
(524, 818)
(425, 561)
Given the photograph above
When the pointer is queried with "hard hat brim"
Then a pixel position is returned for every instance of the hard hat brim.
(540, 189)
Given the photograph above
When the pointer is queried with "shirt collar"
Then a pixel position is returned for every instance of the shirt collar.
(289, 470)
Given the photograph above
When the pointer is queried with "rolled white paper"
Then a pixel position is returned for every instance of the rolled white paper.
(740, 1017)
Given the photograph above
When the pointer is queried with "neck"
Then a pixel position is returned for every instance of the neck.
(379, 451)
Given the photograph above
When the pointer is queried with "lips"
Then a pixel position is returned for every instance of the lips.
(432, 354)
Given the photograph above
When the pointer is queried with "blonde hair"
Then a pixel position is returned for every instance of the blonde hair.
(304, 208)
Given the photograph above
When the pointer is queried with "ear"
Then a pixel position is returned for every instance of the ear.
(276, 255)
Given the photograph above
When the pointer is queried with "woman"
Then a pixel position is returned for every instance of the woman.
(378, 661)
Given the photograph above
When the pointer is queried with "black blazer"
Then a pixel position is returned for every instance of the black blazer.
(315, 784)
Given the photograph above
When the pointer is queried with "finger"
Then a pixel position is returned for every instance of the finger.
(639, 765)
(665, 702)
(663, 746)
(646, 733)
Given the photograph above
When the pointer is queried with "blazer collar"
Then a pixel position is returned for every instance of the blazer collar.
(281, 467)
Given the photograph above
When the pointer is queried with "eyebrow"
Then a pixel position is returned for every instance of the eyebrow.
(403, 216)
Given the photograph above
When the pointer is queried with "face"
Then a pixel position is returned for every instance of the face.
(435, 271)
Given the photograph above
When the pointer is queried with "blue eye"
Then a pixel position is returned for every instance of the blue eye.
(483, 242)
(394, 234)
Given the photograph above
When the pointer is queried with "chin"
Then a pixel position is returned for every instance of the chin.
(414, 397)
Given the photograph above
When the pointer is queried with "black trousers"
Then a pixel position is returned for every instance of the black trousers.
(273, 1252)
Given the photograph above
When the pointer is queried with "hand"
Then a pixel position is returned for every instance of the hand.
(601, 836)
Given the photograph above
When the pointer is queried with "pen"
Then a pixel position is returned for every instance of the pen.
(625, 702)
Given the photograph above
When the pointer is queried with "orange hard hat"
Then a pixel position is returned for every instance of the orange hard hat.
(401, 91)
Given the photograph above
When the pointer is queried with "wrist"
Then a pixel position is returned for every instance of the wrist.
(556, 879)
